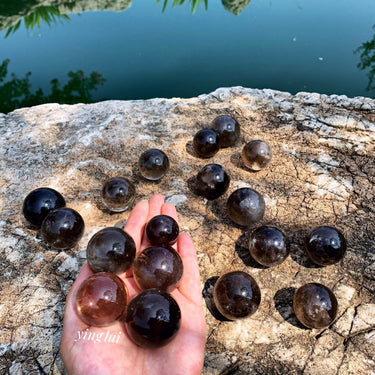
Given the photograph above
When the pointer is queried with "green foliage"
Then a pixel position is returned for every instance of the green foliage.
(194, 4)
(367, 56)
(16, 92)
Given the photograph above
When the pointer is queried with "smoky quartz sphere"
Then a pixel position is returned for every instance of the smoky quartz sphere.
(158, 267)
(118, 194)
(162, 230)
(236, 295)
(269, 246)
(228, 130)
(153, 318)
(314, 305)
(101, 299)
(39, 202)
(325, 245)
(212, 181)
(62, 228)
(206, 143)
(110, 250)
(153, 164)
(256, 155)
(245, 206)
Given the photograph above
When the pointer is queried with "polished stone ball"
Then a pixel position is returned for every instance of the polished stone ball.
(228, 130)
(39, 202)
(269, 246)
(245, 206)
(206, 143)
(325, 245)
(162, 230)
(153, 164)
(62, 228)
(111, 250)
(118, 194)
(236, 295)
(212, 181)
(256, 155)
(153, 318)
(158, 267)
(314, 305)
(101, 299)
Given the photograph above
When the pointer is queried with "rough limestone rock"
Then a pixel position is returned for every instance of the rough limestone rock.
(322, 172)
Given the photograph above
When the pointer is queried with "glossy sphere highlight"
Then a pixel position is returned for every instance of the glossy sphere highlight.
(158, 267)
(101, 299)
(245, 206)
(39, 203)
(110, 250)
(153, 318)
(162, 230)
(62, 228)
(212, 181)
(325, 245)
(269, 246)
(256, 155)
(236, 295)
(118, 194)
(153, 164)
(315, 305)
(206, 143)
(228, 130)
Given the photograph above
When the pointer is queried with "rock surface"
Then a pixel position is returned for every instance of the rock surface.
(322, 172)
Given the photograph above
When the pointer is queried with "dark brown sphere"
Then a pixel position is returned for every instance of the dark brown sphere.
(245, 206)
(118, 194)
(228, 130)
(101, 299)
(206, 143)
(153, 318)
(158, 267)
(236, 295)
(110, 250)
(256, 155)
(62, 228)
(314, 305)
(212, 181)
(153, 164)
(325, 245)
(162, 230)
(269, 246)
(39, 202)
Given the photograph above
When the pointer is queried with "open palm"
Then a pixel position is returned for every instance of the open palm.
(86, 350)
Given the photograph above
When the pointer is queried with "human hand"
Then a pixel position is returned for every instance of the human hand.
(86, 350)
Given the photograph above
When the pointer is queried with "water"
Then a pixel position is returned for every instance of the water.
(143, 52)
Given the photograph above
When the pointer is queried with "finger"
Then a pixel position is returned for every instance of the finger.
(170, 210)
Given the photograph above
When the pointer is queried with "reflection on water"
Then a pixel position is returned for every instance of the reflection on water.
(367, 56)
(15, 92)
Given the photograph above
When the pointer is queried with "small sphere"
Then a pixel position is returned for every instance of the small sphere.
(153, 164)
(236, 295)
(325, 245)
(314, 305)
(158, 267)
(269, 246)
(162, 230)
(228, 130)
(153, 318)
(39, 202)
(206, 143)
(212, 181)
(256, 155)
(62, 228)
(111, 250)
(118, 194)
(101, 299)
(245, 206)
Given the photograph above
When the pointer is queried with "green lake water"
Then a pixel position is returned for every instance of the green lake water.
(136, 50)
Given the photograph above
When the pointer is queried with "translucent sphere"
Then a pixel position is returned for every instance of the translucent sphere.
(162, 230)
(206, 143)
(256, 155)
(212, 181)
(118, 194)
(153, 164)
(228, 130)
